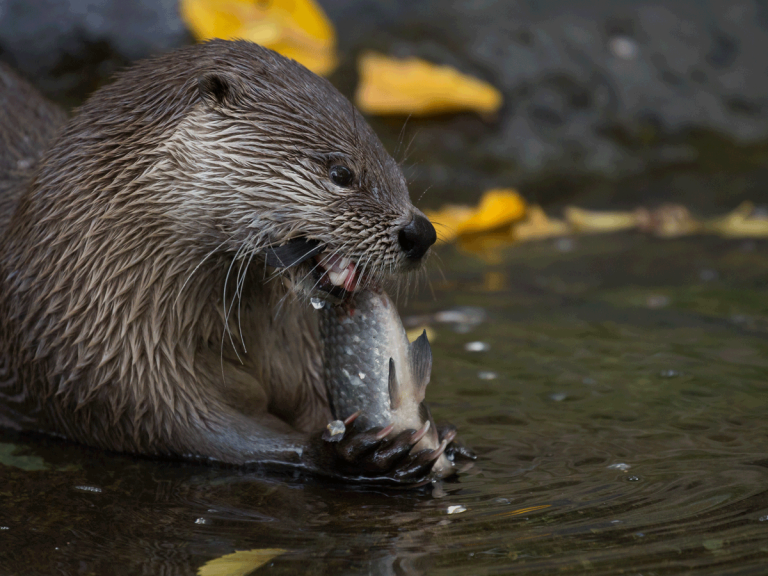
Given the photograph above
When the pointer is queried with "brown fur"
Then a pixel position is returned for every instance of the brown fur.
(131, 319)
(29, 123)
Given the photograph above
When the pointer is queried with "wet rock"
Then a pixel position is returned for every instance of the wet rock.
(67, 48)
(593, 90)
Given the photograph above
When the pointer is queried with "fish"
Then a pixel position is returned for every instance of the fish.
(370, 366)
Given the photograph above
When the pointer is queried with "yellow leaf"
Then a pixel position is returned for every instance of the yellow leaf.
(239, 563)
(447, 220)
(592, 221)
(414, 86)
(538, 225)
(742, 223)
(297, 29)
(497, 208)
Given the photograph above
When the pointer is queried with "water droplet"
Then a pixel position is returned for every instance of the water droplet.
(5, 528)
(502, 500)
(487, 375)
(317, 303)
(336, 427)
(633, 479)
(200, 521)
(589, 381)
(477, 346)
(619, 466)
(762, 519)
(456, 509)
(558, 396)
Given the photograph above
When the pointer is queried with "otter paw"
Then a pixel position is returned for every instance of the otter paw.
(370, 456)
(456, 450)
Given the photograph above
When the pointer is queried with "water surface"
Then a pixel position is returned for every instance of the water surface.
(619, 414)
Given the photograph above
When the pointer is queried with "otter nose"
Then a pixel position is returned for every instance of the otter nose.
(416, 237)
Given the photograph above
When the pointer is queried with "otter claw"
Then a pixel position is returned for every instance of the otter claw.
(385, 432)
(418, 435)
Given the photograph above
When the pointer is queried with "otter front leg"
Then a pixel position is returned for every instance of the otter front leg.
(367, 456)
(234, 438)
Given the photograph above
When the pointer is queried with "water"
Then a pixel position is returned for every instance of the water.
(623, 432)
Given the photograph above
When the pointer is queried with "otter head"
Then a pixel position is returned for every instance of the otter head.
(277, 163)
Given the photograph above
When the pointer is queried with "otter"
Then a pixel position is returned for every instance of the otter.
(28, 122)
(157, 267)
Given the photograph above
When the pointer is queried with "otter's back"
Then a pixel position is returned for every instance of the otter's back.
(28, 124)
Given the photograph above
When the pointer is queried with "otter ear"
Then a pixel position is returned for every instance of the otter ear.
(218, 90)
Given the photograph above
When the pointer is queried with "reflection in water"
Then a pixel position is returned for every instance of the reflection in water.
(615, 436)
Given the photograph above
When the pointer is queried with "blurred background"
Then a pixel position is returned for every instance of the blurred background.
(605, 104)
(613, 386)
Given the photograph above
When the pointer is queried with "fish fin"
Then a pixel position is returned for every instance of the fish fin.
(394, 387)
(421, 364)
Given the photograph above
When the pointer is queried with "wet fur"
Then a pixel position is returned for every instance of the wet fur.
(137, 312)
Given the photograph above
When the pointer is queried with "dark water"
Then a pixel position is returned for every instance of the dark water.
(619, 416)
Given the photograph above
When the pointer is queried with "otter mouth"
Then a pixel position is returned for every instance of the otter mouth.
(336, 274)
(330, 272)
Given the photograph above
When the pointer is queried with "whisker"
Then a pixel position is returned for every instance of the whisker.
(198, 266)
(239, 292)
(226, 329)
(427, 189)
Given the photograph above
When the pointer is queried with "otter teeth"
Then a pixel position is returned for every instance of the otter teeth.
(340, 271)
(338, 278)
(338, 264)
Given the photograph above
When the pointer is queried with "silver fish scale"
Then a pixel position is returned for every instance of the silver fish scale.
(359, 338)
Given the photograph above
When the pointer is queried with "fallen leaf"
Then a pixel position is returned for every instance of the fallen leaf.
(446, 220)
(298, 29)
(592, 221)
(743, 222)
(414, 86)
(538, 225)
(497, 208)
(239, 563)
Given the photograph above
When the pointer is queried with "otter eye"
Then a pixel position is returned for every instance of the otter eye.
(341, 175)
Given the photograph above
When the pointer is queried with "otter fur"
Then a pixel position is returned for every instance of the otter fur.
(28, 123)
(139, 310)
